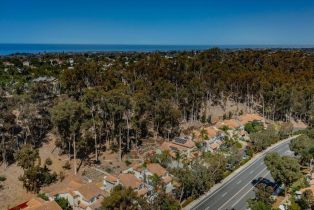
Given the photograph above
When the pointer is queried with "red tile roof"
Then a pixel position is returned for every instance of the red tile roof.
(111, 179)
(40, 204)
(90, 190)
(142, 192)
(156, 168)
(129, 180)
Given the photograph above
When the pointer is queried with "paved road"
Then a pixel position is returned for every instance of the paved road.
(234, 193)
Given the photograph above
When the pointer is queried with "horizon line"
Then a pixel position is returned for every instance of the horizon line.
(134, 44)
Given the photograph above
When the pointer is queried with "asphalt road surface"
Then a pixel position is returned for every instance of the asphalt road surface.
(235, 193)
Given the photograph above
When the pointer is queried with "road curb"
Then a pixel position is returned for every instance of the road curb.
(236, 172)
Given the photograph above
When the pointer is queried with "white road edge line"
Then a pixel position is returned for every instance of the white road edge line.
(265, 169)
(205, 198)
(247, 192)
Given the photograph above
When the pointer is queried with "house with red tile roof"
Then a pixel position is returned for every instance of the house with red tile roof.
(182, 145)
(80, 195)
(155, 168)
(37, 204)
(64, 189)
(137, 170)
(86, 195)
(130, 181)
(162, 173)
(110, 182)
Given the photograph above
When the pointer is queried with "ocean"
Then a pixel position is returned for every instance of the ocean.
(7, 49)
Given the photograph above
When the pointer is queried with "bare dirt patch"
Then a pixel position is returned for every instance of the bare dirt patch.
(49, 150)
(13, 192)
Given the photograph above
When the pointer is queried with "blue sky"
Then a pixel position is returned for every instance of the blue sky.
(211, 22)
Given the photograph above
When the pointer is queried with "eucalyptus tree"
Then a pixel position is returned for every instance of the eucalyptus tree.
(92, 99)
(67, 116)
(9, 132)
(117, 105)
(284, 169)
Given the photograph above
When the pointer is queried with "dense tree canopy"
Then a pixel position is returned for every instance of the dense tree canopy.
(284, 169)
(124, 98)
(263, 139)
(123, 198)
(35, 176)
(303, 146)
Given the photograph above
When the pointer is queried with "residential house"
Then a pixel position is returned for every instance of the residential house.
(64, 189)
(110, 182)
(213, 147)
(26, 63)
(162, 173)
(37, 204)
(137, 170)
(183, 144)
(7, 63)
(131, 181)
(214, 139)
(71, 61)
(174, 147)
(80, 195)
(155, 168)
(87, 196)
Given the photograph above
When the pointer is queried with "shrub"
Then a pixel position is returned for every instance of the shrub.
(209, 119)
(230, 114)
(127, 162)
(61, 176)
(48, 162)
(203, 118)
(63, 203)
(188, 201)
(67, 165)
(43, 196)
(109, 170)
(36, 177)
(238, 145)
(253, 127)
(2, 178)
(225, 128)
(114, 148)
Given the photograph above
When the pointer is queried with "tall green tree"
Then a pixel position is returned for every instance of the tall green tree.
(67, 116)
(34, 176)
(123, 198)
(27, 157)
(303, 146)
(283, 169)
